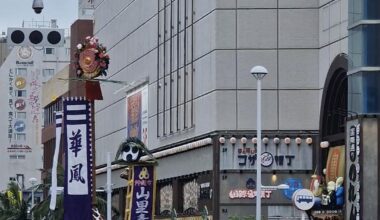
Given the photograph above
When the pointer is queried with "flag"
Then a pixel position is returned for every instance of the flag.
(78, 154)
(143, 192)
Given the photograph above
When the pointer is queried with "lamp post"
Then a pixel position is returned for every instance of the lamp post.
(32, 181)
(258, 72)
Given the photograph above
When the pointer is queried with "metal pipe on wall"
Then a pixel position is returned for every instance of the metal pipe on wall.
(158, 70)
(177, 105)
(164, 84)
(171, 70)
(184, 66)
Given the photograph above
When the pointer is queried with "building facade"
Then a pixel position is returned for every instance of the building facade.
(25, 70)
(188, 65)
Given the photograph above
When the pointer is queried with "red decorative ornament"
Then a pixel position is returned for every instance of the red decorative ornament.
(91, 59)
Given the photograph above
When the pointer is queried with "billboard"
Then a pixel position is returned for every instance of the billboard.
(137, 114)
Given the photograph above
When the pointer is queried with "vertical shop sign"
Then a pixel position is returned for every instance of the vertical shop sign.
(353, 172)
(143, 192)
(10, 102)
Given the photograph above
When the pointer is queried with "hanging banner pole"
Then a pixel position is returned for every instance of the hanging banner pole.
(53, 189)
(109, 187)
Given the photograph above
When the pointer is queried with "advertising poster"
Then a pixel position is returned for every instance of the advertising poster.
(137, 114)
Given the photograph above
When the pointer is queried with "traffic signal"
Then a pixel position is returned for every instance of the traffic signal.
(49, 37)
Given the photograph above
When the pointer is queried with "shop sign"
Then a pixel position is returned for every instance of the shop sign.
(20, 104)
(20, 82)
(275, 157)
(205, 191)
(303, 199)
(248, 194)
(328, 214)
(19, 148)
(10, 103)
(19, 126)
(143, 192)
(353, 172)
(25, 63)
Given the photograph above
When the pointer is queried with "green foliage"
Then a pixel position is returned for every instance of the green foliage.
(12, 206)
(42, 210)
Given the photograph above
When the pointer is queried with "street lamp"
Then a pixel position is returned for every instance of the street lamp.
(32, 181)
(258, 72)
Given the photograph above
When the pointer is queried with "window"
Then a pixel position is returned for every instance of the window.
(20, 115)
(48, 72)
(21, 72)
(20, 136)
(49, 50)
(15, 157)
(20, 93)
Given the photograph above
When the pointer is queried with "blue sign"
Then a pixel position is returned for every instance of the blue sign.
(19, 126)
(294, 184)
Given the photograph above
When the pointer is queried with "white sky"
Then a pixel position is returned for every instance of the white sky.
(14, 12)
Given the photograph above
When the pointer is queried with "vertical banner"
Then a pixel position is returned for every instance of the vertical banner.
(353, 171)
(143, 192)
(137, 114)
(78, 153)
(58, 129)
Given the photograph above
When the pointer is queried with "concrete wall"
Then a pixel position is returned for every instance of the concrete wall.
(229, 38)
(295, 40)
(32, 159)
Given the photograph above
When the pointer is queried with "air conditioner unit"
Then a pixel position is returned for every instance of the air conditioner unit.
(44, 37)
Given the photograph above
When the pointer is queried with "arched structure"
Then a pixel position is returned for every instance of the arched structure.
(334, 105)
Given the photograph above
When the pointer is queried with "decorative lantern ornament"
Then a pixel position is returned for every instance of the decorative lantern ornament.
(233, 140)
(309, 140)
(276, 140)
(298, 140)
(243, 140)
(91, 59)
(287, 140)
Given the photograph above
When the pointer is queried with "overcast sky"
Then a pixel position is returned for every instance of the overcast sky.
(14, 12)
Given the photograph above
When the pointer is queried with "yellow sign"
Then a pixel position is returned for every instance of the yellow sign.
(20, 82)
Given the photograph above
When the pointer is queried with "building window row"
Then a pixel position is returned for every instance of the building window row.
(17, 157)
(49, 112)
(175, 58)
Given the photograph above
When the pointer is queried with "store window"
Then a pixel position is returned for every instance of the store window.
(21, 72)
(190, 197)
(364, 92)
(48, 72)
(20, 93)
(363, 10)
(49, 50)
(19, 136)
(20, 115)
(364, 46)
(166, 200)
(16, 157)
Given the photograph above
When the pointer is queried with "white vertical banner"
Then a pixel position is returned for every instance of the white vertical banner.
(58, 129)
